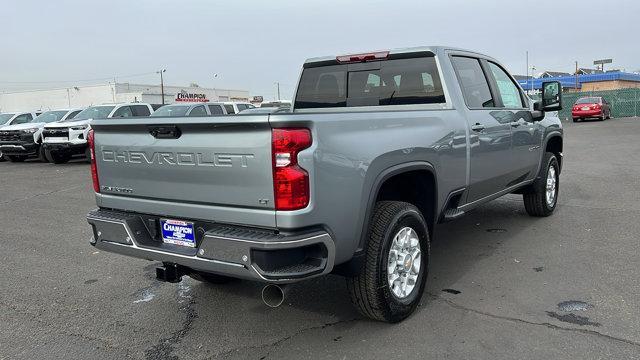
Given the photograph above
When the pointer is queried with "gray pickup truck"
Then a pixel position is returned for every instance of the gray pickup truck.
(378, 149)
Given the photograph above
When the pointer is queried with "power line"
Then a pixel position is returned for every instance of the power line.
(74, 81)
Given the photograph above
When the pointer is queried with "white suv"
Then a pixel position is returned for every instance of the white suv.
(19, 140)
(236, 107)
(64, 139)
(16, 118)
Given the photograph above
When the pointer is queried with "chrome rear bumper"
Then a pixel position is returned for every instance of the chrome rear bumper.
(234, 251)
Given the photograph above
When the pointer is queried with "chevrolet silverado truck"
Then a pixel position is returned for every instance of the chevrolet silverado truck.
(19, 141)
(378, 149)
(62, 140)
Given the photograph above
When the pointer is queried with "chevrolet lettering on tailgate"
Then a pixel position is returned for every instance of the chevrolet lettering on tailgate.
(178, 158)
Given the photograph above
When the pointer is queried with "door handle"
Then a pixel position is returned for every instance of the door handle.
(165, 132)
(477, 127)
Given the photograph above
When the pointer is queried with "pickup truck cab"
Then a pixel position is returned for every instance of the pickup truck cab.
(378, 149)
(195, 109)
(62, 140)
(19, 141)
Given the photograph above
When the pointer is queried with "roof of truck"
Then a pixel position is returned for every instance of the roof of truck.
(406, 50)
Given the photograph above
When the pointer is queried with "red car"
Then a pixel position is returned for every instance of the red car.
(591, 107)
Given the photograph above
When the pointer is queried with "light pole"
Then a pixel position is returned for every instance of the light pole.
(278, 86)
(527, 68)
(161, 83)
(533, 68)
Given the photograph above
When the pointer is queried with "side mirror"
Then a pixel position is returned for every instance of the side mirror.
(551, 96)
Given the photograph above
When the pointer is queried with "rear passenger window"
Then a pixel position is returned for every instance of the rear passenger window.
(216, 110)
(124, 111)
(140, 110)
(508, 90)
(198, 111)
(229, 109)
(473, 82)
(388, 82)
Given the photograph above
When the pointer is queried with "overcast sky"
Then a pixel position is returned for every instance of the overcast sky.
(252, 44)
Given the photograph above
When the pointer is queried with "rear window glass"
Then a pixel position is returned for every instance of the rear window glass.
(589, 100)
(171, 111)
(395, 82)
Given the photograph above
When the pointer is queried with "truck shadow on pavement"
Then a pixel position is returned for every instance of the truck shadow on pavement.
(457, 250)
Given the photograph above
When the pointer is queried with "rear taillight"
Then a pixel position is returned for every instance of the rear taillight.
(94, 168)
(290, 181)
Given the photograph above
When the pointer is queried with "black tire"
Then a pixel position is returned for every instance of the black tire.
(57, 158)
(370, 291)
(16, 158)
(42, 155)
(535, 200)
(575, 120)
(2, 158)
(211, 278)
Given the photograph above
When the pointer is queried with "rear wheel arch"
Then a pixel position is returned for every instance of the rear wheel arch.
(414, 183)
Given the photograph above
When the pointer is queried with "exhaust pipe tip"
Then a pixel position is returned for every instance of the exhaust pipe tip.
(273, 295)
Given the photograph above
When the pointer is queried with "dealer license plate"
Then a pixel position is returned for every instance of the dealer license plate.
(585, 108)
(178, 232)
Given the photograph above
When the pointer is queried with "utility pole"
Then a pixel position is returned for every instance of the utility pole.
(527, 55)
(161, 83)
(278, 87)
(533, 68)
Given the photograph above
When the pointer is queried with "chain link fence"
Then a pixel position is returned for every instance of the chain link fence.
(624, 102)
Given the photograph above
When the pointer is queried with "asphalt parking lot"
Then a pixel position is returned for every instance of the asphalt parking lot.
(502, 285)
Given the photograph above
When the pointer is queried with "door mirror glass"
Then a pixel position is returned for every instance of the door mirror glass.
(551, 96)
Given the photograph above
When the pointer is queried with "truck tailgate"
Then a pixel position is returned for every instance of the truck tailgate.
(222, 161)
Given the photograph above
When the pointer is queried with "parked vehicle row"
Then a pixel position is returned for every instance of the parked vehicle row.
(58, 135)
(21, 140)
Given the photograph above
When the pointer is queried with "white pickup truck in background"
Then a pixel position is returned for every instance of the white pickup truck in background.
(64, 139)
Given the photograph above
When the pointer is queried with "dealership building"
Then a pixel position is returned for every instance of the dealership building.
(83, 96)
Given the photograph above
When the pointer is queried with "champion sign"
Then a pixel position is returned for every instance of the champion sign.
(184, 96)
(178, 232)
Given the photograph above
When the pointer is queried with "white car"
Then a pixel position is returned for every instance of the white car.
(64, 139)
(14, 119)
(17, 118)
(21, 140)
(236, 107)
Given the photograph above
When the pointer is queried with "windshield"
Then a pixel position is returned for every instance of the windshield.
(589, 100)
(49, 116)
(172, 111)
(94, 112)
(4, 118)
